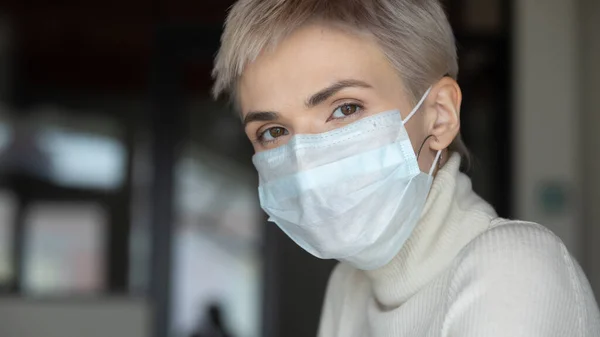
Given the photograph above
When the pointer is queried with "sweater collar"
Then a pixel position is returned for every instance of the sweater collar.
(453, 215)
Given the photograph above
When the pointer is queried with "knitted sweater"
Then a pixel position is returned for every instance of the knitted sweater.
(464, 272)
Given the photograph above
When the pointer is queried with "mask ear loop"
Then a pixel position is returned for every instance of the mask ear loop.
(418, 106)
(438, 157)
(436, 162)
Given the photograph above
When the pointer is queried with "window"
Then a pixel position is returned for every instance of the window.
(79, 159)
(64, 249)
(8, 206)
(216, 245)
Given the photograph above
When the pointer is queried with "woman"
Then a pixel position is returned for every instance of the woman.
(353, 110)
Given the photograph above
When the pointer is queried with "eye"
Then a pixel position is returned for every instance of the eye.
(273, 133)
(345, 110)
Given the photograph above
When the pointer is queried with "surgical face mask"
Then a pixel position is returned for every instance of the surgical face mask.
(353, 194)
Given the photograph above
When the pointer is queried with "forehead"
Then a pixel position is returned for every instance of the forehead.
(308, 60)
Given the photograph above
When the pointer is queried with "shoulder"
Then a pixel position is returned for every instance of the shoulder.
(518, 243)
(523, 253)
(521, 276)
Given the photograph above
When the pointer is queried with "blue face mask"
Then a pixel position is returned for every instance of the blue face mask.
(353, 194)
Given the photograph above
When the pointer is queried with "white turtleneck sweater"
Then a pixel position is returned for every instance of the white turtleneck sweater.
(465, 273)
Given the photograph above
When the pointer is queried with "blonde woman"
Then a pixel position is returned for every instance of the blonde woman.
(354, 112)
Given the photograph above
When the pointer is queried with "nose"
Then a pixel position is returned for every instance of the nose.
(307, 124)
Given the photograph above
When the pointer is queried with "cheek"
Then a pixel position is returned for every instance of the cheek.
(252, 138)
(416, 132)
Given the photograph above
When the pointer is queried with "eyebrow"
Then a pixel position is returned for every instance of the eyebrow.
(333, 89)
(314, 100)
(261, 116)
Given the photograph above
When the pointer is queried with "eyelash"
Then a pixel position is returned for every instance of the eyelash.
(360, 107)
(260, 140)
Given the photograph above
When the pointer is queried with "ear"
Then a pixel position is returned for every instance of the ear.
(445, 101)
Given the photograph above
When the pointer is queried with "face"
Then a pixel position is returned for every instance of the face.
(321, 78)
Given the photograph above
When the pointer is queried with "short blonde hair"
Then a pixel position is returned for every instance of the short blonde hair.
(415, 35)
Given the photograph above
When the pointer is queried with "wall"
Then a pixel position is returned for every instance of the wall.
(546, 118)
(590, 62)
(5, 57)
(557, 122)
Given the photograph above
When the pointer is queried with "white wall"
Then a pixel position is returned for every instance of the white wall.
(547, 121)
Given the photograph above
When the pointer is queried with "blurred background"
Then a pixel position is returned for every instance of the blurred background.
(128, 202)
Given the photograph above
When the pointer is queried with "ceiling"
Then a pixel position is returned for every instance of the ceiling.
(108, 45)
(104, 45)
